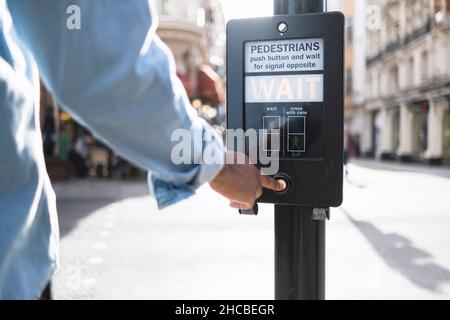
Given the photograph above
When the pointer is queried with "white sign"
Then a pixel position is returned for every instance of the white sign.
(288, 88)
(284, 55)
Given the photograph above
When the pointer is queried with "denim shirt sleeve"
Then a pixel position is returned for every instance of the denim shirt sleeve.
(116, 77)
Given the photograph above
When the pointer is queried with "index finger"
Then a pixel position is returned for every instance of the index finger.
(271, 183)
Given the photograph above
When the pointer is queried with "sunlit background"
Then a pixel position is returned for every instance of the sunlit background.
(239, 9)
(390, 238)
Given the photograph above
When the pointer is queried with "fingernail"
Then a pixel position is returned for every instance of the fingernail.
(281, 184)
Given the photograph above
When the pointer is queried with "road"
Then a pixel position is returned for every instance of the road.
(389, 240)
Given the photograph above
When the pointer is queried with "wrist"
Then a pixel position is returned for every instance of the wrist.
(220, 178)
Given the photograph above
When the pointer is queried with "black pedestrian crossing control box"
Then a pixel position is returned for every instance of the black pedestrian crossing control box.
(285, 83)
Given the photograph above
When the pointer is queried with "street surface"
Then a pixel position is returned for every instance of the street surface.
(389, 240)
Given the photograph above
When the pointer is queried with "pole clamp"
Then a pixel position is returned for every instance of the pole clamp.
(321, 214)
(250, 212)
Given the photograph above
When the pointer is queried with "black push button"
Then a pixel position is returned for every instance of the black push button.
(287, 181)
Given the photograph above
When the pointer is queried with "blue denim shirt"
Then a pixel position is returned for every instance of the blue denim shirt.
(116, 77)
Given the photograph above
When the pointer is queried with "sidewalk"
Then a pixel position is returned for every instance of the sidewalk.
(441, 171)
(115, 248)
(93, 188)
(389, 240)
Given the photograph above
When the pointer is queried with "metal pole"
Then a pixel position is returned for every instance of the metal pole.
(299, 231)
(299, 254)
(298, 6)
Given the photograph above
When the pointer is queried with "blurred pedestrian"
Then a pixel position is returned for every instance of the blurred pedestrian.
(346, 152)
(64, 142)
(49, 132)
(79, 155)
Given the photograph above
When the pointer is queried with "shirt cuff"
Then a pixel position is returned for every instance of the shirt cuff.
(168, 193)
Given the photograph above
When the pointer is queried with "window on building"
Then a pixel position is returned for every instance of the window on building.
(420, 128)
(393, 22)
(447, 137)
(348, 82)
(437, 6)
(349, 35)
(424, 66)
(396, 31)
(201, 17)
(192, 10)
(183, 12)
(410, 72)
(380, 90)
(372, 88)
(166, 7)
(394, 80)
(438, 11)
(409, 20)
(446, 52)
(420, 13)
(396, 129)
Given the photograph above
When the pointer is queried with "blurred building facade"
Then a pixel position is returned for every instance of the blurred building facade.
(347, 8)
(354, 69)
(405, 114)
(194, 30)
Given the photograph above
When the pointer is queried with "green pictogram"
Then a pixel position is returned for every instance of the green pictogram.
(296, 145)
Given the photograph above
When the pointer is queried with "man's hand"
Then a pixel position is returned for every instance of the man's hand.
(242, 183)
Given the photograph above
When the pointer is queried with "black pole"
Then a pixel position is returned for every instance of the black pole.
(298, 6)
(299, 231)
(299, 254)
